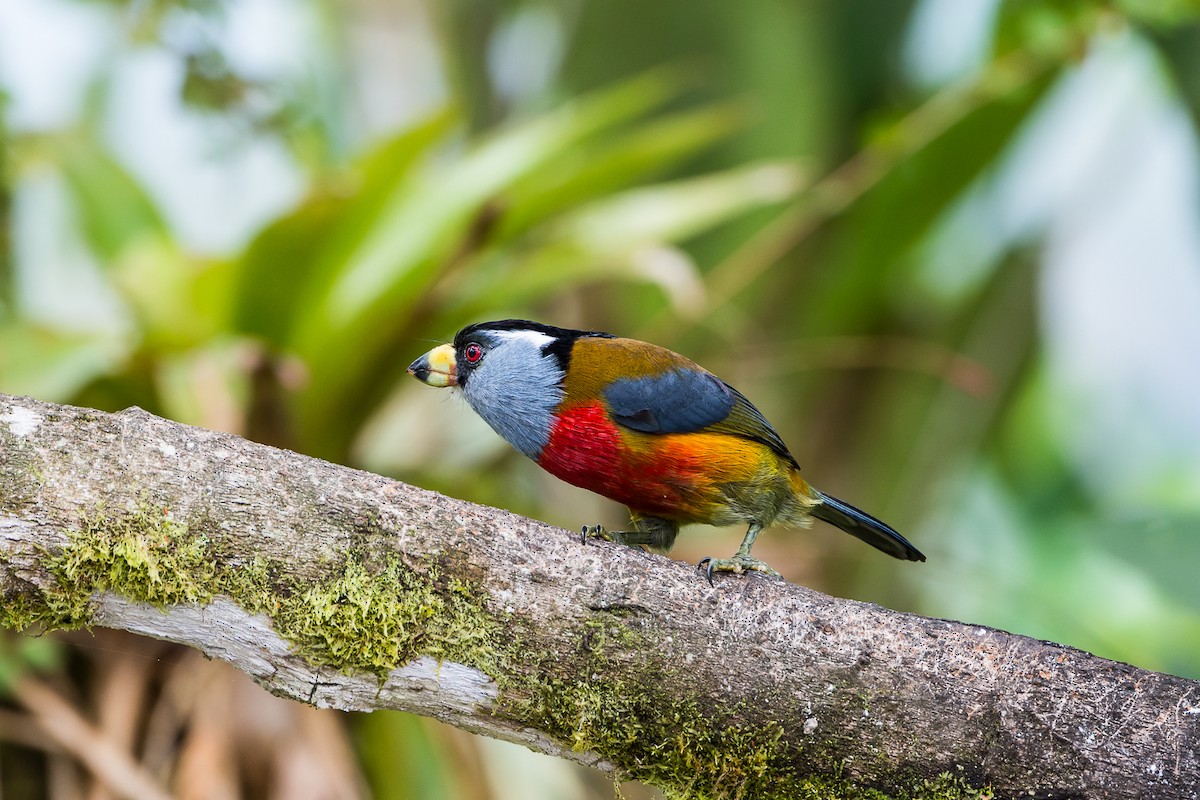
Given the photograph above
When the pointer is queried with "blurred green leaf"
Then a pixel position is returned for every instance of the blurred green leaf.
(675, 211)
(116, 213)
(615, 163)
(277, 262)
(401, 758)
(338, 214)
(625, 236)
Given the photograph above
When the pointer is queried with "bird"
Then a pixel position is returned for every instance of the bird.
(646, 427)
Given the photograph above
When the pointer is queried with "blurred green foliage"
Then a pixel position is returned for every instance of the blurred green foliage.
(764, 186)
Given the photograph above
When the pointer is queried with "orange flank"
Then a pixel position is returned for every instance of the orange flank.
(681, 477)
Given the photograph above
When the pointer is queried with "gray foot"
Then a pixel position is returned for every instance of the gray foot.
(738, 564)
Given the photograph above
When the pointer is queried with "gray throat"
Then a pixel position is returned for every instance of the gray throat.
(517, 399)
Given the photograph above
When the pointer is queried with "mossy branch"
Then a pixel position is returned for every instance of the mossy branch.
(347, 590)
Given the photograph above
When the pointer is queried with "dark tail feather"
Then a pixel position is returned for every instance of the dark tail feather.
(864, 526)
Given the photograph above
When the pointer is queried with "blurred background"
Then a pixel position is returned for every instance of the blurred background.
(951, 248)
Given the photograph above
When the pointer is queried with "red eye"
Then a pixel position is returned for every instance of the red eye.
(472, 353)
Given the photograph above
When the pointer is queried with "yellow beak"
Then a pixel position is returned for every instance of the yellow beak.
(436, 368)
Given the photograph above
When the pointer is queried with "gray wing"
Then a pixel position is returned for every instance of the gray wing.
(677, 401)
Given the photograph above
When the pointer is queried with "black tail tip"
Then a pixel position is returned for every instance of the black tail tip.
(859, 523)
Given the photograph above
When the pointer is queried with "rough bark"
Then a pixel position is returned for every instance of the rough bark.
(344, 589)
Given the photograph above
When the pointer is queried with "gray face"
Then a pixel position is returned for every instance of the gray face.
(513, 386)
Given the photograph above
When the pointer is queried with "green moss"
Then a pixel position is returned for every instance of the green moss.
(835, 787)
(657, 739)
(150, 557)
(21, 611)
(368, 613)
(375, 617)
(144, 555)
(662, 740)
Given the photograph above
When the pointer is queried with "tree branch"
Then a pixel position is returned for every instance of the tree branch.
(344, 589)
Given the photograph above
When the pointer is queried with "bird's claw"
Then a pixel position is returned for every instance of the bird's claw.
(595, 531)
(737, 565)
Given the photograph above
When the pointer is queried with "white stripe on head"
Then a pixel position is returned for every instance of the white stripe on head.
(535, 338)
